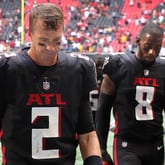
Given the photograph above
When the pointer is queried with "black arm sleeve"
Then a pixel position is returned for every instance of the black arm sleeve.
(103, 118)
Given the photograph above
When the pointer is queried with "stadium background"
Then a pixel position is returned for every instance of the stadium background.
(95, 28)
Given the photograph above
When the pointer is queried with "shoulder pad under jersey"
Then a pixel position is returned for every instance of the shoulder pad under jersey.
(3, 60)
(4, 57)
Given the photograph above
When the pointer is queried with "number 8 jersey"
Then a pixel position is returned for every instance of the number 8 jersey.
(140, 96)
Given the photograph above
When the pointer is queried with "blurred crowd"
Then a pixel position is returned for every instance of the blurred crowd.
(105, 26)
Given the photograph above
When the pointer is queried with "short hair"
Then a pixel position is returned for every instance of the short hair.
(151, 28)
(49, 13)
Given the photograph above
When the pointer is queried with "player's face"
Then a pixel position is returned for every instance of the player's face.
(148, 47)
(45, 44)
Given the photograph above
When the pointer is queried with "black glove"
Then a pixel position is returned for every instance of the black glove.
(106, 158)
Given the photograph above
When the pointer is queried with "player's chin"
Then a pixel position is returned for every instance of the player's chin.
(149, 59)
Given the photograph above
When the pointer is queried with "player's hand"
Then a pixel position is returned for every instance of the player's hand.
(105, 163)
(112, 126)
(106, 158)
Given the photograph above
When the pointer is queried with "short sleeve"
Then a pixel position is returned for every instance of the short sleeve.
(90, 76)
(114, 68)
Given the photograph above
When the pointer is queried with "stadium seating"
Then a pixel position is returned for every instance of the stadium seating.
(112, 28)
(130, 13)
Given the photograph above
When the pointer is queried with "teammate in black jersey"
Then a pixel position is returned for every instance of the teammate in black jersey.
(44, 109)
(134, 85)
(94, 95)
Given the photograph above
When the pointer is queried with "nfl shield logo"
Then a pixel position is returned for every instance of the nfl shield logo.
(146, 72)
(46, 84)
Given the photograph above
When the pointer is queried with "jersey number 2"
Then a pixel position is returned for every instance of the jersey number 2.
(38, 134)
(144, 97)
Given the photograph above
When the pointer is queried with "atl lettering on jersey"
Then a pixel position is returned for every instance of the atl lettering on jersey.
(45, 99)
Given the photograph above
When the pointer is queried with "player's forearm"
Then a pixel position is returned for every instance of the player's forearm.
(89, 145)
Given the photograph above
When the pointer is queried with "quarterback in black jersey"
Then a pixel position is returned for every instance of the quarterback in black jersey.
(45, 109)
(134, 86)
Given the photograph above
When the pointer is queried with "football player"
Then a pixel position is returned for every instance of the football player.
(134, 85)
(94, 95)
(45, 109)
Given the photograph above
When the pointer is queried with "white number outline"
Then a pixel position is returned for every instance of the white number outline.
(53, 130)
(93, 100)
(149, 91)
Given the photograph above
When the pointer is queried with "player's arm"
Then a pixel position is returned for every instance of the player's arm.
(106, 96)
(88, 140)
(90, 148)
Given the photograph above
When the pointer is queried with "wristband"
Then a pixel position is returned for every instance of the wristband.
(93, 160)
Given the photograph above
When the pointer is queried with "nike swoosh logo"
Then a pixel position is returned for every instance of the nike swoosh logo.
(159, 147)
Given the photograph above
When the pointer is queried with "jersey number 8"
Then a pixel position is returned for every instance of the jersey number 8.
(144, 97)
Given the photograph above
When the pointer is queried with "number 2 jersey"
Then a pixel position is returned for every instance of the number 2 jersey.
(140, 96)
(40, 109)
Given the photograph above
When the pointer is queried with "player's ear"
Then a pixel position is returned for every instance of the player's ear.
(29, 33)
(137, 41)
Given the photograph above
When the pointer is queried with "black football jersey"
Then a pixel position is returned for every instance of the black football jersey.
(40, 114)
(140, 96)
